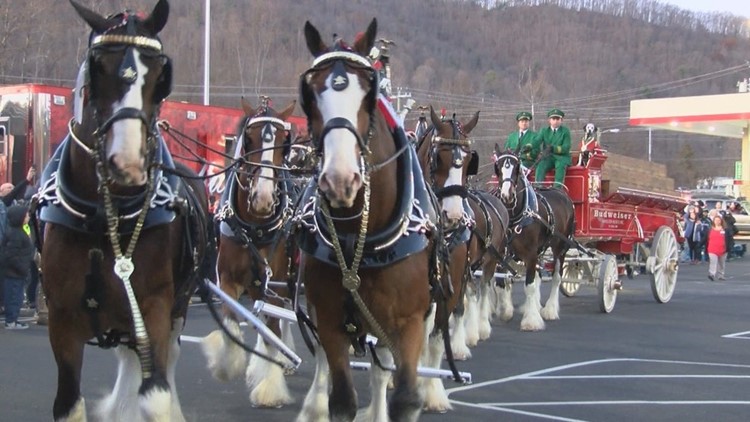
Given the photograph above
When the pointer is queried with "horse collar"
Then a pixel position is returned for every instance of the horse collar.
(59, 204)
(405, 236)
(260, 234)
(530, 210)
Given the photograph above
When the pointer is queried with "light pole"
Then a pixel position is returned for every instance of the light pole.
(206, 52)
(613, 130)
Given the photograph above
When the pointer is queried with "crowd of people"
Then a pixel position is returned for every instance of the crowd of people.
(709, 236)
(18, 267)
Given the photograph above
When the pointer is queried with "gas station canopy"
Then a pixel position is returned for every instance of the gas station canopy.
(725, 115)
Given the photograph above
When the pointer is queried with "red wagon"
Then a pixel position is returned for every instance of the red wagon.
(625, 230)
(622, 232)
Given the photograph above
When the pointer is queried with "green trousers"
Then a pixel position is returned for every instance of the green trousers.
(547, 164)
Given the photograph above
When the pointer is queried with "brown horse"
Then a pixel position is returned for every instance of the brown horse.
(487, 250)
(539, 220)
(364, 232)
(254, 249)
(123, 236)
(447, 161)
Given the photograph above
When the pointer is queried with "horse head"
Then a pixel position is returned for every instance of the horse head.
(450, 161)
(127, 76)
(507, 170)
(300, 156)
(265, 140)
(339, 94)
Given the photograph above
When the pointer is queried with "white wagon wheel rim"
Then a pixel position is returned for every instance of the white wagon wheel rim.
(608, 280)
(665, 255)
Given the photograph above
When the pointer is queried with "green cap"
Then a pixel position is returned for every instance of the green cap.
(524, 115)
(556, 112)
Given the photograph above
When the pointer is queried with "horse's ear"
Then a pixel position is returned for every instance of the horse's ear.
(436, 120)
(285, 113)
(314, 42)
(158, 17)
(96, 21)
(497, 150)
(364, 44)
(246, 107)
(469, 126)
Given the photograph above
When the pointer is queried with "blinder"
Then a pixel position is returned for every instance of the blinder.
(164, 83)
(473, 164)
(287, 143)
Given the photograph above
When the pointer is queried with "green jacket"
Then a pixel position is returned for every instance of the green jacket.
(559, 141)
(517, 145)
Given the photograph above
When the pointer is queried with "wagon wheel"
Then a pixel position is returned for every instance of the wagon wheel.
(571, 270)
(609, 283)
(663, 264)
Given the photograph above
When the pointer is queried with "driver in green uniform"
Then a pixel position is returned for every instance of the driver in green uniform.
(554, 144)
(522, 141)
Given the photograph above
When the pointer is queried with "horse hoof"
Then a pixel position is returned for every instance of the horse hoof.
(549, 315)
(461, 356)
(266, 406)
(531, 329)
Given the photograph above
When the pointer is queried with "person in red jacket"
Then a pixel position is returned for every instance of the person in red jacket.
(719, 238)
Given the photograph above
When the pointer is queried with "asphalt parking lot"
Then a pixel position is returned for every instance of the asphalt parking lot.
(686, 360)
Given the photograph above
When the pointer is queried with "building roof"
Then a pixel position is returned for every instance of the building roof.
(723, 115)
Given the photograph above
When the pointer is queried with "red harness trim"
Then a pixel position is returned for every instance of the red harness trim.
(390, 115)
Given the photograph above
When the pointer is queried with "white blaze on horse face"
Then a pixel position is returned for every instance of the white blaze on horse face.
(506, 172)
(340, 177)
(126, 140)
(262, 194)
(452, 205)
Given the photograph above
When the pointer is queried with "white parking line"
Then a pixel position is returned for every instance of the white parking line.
(546, 374)
(745, 335)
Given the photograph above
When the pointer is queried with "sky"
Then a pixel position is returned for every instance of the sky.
(737, 7)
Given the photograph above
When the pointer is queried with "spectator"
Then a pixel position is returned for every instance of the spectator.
(719, 240)
(736, 208)
(717, 209)
(692, 231)
(730, 223)
(702, 239)
(16, 256)
(8, 195)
